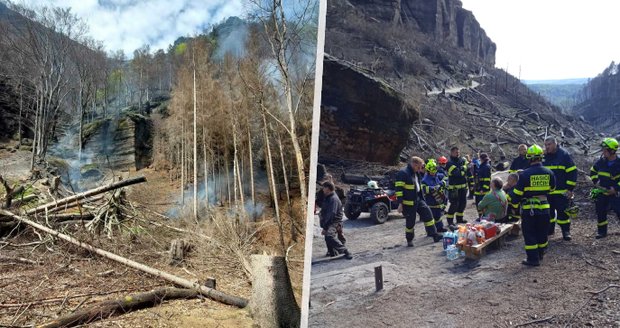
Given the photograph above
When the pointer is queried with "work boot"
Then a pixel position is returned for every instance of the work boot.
(600, 235)
(409, 243)
(566, 235)
(530, 263)
(541, 254)
(442, 229)
(348, 255)
(461, 220)
(437, 237)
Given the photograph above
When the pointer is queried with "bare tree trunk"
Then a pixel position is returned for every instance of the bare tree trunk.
(206, 167)
(251, 169)
(234, 133)
(286, 187)
(195, 153)
(272, 179)
(183, 162)
(21, 107)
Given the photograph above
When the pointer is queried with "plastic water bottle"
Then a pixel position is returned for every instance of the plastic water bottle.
(452, 252)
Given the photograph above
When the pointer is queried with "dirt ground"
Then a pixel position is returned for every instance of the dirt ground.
(68, 278)
(422, 288)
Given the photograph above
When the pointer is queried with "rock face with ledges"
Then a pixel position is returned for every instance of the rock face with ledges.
(445, 21)
(119, 144)
(357, 108)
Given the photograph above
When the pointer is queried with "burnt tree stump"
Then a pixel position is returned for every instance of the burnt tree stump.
(273, 303)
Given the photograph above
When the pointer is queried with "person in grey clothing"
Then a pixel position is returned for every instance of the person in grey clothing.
(331, 220)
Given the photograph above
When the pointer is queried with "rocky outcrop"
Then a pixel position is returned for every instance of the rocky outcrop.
(445, 21)
(122, 144)
(358, 109)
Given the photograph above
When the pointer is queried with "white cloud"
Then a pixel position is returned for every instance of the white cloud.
(129, 24)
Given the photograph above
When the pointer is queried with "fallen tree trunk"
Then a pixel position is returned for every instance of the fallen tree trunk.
(208, 292)
(123, 305)
(85, 195)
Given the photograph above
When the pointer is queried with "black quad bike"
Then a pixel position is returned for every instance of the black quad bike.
(379, 202)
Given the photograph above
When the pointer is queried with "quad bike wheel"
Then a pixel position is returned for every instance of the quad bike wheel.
(379, 212)
(352, 212)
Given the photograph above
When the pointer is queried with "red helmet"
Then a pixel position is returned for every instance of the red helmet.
(443, 160)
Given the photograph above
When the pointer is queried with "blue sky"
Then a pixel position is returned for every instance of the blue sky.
(129, 24)
(551, 39)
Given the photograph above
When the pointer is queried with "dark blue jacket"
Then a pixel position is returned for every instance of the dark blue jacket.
(519, 163)
(406, 190)
(536, 180)
(430, 184)
(484, 178)
(457, 173)
(606, 173)
(564, 169)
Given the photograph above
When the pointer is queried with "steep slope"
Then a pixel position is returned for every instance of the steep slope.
(436, 54)
(600, 100)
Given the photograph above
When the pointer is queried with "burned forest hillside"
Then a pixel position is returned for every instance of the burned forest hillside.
(439, 62)
(160, 188)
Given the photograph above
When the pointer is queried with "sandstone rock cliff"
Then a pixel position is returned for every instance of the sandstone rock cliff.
(358, 109)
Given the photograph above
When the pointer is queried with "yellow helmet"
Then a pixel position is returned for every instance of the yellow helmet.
(610, 143)
(534, 152)
(431, 166)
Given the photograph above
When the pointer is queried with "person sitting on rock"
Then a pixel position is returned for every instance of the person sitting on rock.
(493, 205)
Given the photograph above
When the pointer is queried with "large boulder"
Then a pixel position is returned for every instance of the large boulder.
(362, 117)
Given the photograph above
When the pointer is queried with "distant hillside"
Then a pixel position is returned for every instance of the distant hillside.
(563, 94)
(580, 81)
(600, 103)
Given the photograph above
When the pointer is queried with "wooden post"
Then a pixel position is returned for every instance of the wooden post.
(379, 278)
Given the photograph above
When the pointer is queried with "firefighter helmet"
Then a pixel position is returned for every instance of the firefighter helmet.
(431, 166)
(443, 160)
(610, 143)
(534, 152)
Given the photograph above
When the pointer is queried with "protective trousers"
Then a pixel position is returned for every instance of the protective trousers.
(558, 203)
(458, 201)
(426, 216)
(332, 241)
(535, 228)
(603, 204)
(437, 213)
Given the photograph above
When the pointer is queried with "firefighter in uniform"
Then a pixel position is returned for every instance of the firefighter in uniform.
(433, 188)
(606, 173)
(457, 187)
(519, 163)
(411, 200)
(483, 178)
(560, 162)
(442, 173)
(531, 192)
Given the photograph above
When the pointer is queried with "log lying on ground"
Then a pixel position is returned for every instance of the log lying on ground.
(273, 302)
(126, 304)
(86, 194)
(208, 292)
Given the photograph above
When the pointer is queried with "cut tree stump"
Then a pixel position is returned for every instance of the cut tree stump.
(273, 303)
(124, 305)
(178, 248)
